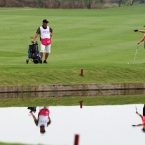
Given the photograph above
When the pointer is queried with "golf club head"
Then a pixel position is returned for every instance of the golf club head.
(135, 30)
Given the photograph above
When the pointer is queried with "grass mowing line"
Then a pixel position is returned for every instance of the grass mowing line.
(73, 101)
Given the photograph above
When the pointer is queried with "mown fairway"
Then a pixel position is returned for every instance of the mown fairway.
(100, 41)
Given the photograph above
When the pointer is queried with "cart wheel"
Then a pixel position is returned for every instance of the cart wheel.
(27, 60)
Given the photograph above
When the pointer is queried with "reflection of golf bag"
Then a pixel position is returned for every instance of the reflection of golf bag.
(33, 109)
(33, 53)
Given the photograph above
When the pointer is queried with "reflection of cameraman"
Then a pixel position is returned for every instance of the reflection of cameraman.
(43, 118)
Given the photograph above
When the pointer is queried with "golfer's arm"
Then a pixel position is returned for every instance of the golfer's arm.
(35, 36)
(142, 31)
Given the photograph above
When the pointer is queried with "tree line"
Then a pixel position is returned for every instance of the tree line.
(65, 3)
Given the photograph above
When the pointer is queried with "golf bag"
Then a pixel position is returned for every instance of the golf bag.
(33, 53)
(33, 109)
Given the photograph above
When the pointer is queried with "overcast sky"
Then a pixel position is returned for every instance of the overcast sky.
(96, 125)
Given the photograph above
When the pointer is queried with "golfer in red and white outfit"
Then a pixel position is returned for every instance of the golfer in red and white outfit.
(43, 118)
(45, 33)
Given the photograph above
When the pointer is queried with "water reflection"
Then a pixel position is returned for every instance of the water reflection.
(43, 120)
(73, 93)
(96, 125)
(142, 118)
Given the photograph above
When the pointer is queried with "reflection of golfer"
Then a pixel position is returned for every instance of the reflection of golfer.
(142, 118)
(43, 118)
(143, 39)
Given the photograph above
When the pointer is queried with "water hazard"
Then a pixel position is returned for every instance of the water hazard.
(96, 125)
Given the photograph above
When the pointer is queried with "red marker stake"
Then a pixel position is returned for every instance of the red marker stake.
(82, 72)
(81, 104)
(76, 141)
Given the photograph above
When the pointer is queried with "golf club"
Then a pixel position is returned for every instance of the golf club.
(135, 53)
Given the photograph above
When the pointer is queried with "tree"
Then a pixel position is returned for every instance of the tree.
(88, 3)
(120, 2)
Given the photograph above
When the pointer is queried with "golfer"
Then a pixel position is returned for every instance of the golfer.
(43, 118)
(143, 39)
(45, 33)
(142, 118)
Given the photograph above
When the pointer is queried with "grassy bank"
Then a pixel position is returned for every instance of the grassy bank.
(2, 143)
(102, 42)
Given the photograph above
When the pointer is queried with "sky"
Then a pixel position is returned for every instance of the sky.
(96, 125)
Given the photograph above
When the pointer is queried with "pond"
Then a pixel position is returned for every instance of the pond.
(96, 125)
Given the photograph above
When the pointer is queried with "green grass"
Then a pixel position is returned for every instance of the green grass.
(73, 101)
(2, 143)
(101, 42)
